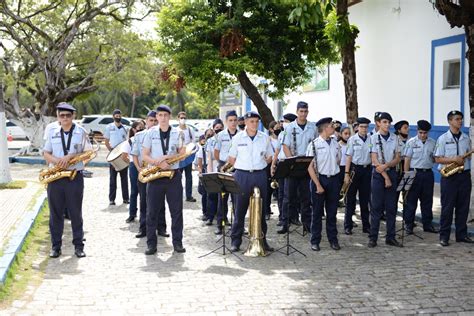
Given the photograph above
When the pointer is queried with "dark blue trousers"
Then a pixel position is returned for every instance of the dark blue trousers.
(383, 199)
(161, 216)
(360, 183)
(133, 173)
(212, 201)
(455, 199)
(188, 172)
(247, 181)
(327, 200)
(297, 192)
(203, 192)
(281, 194)
(421, 189)
(113, 183)
(62, 194)
(157, 191)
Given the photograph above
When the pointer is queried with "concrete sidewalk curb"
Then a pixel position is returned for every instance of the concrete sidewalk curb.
(41, 161)
(18, 237)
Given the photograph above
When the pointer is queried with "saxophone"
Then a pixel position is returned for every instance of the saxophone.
(55, 173)
(453, 168)
(255, 247)
(154, 172)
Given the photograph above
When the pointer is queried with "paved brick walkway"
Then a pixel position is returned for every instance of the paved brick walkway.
(117, 278)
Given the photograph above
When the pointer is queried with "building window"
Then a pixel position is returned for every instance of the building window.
(451, 74)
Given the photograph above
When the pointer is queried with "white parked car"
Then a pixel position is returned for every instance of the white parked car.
(95, 124)
(16, 131)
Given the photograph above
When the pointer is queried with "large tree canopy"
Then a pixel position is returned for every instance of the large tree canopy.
(212, 44)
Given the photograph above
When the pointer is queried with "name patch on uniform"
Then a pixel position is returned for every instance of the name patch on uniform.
(239, 145)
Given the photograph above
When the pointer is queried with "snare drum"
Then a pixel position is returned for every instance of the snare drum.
(115, 157)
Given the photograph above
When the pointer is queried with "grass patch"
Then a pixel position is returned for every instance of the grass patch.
(17, 184)
(30, 262)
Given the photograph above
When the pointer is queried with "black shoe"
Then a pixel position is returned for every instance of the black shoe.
(267, 247)
(126, 202)
(218, 231)
(163, 233)
(466, 240)
(150, 251)
(204, 218)
(366, 230)
(296, 222)
(431, 229)
(54, 253)
(209, 222)
(140, 234)
(112, 203)
(190, 199)
(234, 248)
(130, 219)
(79, 253)
(348, 231)
(179, 249)
(335, 246)
(408, 231)
(315, 247)
(283, 230)
(393, 242)
(280, 223)
(444, 243)
(372, 244)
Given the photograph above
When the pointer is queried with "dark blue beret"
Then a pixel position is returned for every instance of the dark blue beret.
(376, 116)
(399, 124)
(230, 113)
(63, 106)
(455, 112)
(290, 117)
(217, 121)
(163, 108)
(363, 120)
(324, 120)
(241, 118)
(423, 125)
(338, 122)
(252, 114)
(151, 114)
(301, 105)
(117, 111)
(384, 116)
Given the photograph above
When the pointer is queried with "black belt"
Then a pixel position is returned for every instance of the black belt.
(328, 176)
(249, 171)
(360, 166)
(420, 169)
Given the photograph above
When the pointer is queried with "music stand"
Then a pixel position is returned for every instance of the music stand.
(404, 186)
(294, 167)
(221, 183)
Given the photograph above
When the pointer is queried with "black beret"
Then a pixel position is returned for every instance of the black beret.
(230, 113)
(363, 120)
(324, 120)
(385, 116)
(423, 125)
(376, 116)
(63, 106)
(217, 121)
(117, 111)
(151, 114)
(399, 124)
(302, 105)
(241, 118)
(290, 117)
(455, 112)
(252, 114)
(163, 108)
(202, 137)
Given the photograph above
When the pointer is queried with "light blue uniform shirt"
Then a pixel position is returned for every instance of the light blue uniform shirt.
(390, 146)
(281, 154)
(115, 135)
(421, 154)
(303, 137)
(79, 143)
(137, 145)
(446, 146)
(250, 154)
(222, 144)
(327, 156)
(152, 141)
(359, 150)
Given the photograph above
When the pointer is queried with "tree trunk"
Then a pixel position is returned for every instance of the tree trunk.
(134, 96)
(349, 70)
(5, 176)
(256, 98)
(34, 130)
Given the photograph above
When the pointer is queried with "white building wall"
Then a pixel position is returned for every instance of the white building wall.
(393, 63)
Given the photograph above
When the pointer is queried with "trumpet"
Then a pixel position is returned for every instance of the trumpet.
(154, 172)
(346, 186)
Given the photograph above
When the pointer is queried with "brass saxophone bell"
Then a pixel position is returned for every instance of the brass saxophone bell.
(274, 184)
